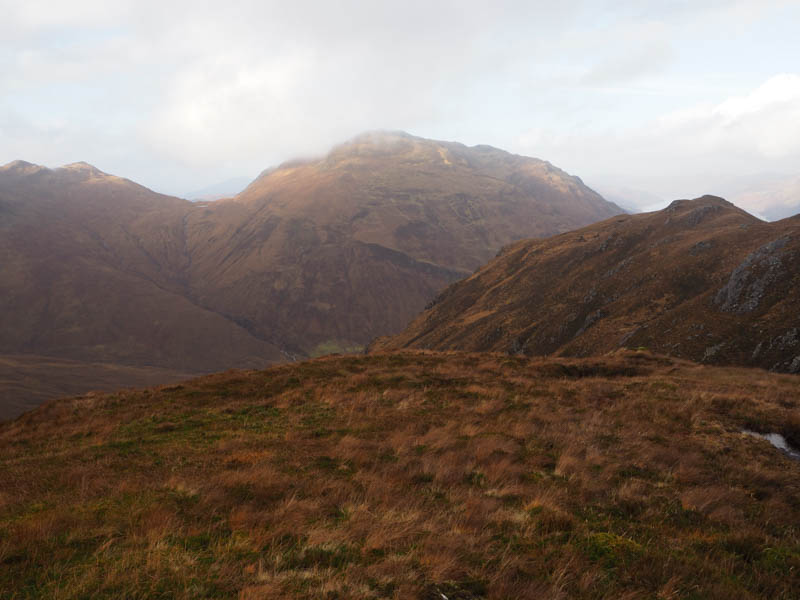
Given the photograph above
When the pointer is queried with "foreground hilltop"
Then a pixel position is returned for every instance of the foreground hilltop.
(700, 279)
(314, 256)
(410, 475)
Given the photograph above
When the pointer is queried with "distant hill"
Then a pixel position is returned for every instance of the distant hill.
(700, 279)
(774, 198)
(96, 269)
(217, 191)
(411, 475)
(631, 199)
(27, 380)
(313, 257)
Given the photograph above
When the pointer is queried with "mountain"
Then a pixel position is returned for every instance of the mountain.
(700, 279)
(411, 475)
(313, 256)
(331, 252)
(94, 271)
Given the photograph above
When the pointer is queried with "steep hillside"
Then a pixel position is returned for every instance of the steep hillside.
(700, 279)
(312, 257)
(94, 270)
(338, 250)
(410, 475)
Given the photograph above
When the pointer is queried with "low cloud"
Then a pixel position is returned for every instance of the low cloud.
(706, 148)
(764, 122)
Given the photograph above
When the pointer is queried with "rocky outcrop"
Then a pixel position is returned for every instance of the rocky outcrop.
(749, 281)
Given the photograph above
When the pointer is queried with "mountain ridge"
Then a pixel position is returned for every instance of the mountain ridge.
(701, 279)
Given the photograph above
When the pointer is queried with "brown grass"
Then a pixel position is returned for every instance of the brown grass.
(410, 476)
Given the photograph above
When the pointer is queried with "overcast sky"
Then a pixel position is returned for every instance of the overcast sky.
(672, 98)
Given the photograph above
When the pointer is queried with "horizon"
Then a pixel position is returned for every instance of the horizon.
(645, 104)
(240, 183)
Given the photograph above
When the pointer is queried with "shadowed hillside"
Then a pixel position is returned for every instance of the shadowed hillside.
(410, 475)
(94, 271)
(700, 279)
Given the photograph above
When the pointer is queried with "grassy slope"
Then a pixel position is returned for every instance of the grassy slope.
(410, 475)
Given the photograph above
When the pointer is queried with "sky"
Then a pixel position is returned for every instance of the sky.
(654, 100)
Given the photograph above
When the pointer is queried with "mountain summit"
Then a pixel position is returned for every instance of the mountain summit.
(441, 202)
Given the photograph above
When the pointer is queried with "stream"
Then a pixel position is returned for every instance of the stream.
(777, 440)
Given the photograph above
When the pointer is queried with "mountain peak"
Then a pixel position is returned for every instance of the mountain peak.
(707, 200)
(374, 143)
(382, 135)
(704, 208)
(22, 167)
(377, 142)
(84, 167)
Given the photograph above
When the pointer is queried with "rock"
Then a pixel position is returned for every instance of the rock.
(701, 247)
(699, 214)
(748, 281)
(711, 351)
(590, 320)
(617, 268)
(787, 340)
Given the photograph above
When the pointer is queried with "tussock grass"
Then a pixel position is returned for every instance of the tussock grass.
(410, 475)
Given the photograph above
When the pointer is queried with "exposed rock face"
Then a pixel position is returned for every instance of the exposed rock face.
(701, 280)
(748, 281)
